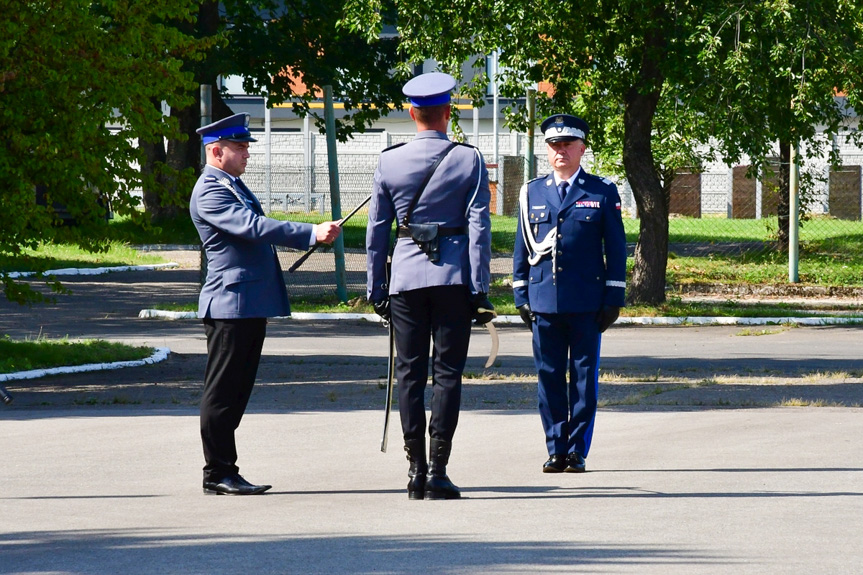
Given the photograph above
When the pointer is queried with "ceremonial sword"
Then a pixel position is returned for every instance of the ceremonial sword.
(390, 377)
(339, 223)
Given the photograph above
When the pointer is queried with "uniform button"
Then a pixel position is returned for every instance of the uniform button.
(560, 252)
(542, 215)
(588, 217)
(559, 236)
(560, 269)
(560, 220)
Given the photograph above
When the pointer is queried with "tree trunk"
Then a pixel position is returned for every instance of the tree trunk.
(154, 178)
(651, 252)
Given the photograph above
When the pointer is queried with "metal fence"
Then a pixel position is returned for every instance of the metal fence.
(718, 211)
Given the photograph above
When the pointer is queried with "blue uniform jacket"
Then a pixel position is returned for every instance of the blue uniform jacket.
(589, 248)
(456, 196)
(244, 278)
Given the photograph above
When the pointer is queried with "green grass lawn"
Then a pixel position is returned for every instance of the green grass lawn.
(46, 353)
(831, 251)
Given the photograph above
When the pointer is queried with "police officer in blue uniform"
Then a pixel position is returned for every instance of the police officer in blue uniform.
(435, 287)
(244, 287)
(569, 267)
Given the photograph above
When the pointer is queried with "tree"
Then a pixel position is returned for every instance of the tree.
(286, 51)
(638, 71)
(776, 71)
(77, 81)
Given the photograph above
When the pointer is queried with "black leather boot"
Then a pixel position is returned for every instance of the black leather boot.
(416, 454)
(438, 485)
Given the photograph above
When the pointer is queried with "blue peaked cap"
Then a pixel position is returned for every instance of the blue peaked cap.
(432, 89)
(234, 128)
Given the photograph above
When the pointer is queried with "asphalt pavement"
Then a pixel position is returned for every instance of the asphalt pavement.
(723, 475)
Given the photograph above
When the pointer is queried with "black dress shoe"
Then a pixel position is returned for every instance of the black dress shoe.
(555, 464)
(574, 463)
(233, 485)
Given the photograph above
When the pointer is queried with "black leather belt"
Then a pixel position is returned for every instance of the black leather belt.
(442, 231)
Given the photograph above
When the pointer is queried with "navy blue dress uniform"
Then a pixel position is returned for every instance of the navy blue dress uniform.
(569, 267)
(244, 286)
(430, 300)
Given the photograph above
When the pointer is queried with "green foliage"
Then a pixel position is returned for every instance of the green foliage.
(290, 50)
(662, 85)
(47, 353)
(77, 81)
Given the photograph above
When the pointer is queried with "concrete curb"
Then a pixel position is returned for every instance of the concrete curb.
(94, 271)
(514, 319)
(160, 354)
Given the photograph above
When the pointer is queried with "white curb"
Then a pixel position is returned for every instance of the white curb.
(160, 354)
(94, 271)
(514, 319)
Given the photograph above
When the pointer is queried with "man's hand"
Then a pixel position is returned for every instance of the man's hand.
(607, 316)
(327, 232)
(382, 308)
(526, 315)
(483, 310)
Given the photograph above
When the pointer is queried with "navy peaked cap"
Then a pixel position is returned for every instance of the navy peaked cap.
(234, 128)
(564, 127)
(432, 89)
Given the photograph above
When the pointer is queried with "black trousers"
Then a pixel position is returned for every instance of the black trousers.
(439, 314)
(233, 353)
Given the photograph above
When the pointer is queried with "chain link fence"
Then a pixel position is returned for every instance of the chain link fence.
(720, 214)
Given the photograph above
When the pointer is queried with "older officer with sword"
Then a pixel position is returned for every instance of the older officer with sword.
(439, 279)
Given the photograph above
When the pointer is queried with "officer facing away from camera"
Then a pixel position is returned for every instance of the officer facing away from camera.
(439, 279)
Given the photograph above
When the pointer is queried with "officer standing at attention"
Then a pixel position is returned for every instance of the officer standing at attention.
(569, 268)
(439, 279)
(244, 287)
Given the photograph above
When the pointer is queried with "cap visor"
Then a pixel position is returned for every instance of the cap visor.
(241, 139)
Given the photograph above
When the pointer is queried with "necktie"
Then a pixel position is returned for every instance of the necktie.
(561, 189)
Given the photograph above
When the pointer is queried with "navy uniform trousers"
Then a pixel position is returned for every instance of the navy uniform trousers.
(567, 343)
(233, 353)
(442, 314)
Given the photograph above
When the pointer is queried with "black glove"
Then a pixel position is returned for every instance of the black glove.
(382, 308)
(483, 310)
(526, 315)
(607, 316)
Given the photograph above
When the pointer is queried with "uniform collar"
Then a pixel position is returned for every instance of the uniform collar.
(433, 134)
(571, 179)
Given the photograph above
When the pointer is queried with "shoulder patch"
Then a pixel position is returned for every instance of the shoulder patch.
(606, 181)
(393, 147)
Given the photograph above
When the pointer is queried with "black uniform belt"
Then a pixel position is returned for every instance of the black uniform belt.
(442, 231)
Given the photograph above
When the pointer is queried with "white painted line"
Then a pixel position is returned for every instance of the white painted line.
(160, 354)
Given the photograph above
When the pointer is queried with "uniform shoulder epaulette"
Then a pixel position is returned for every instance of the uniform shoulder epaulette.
(605, 181)
(210, 178)
(538, 178)
(393, 147)
(465, 144)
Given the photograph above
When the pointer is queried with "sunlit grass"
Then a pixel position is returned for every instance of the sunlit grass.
(45, 353)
